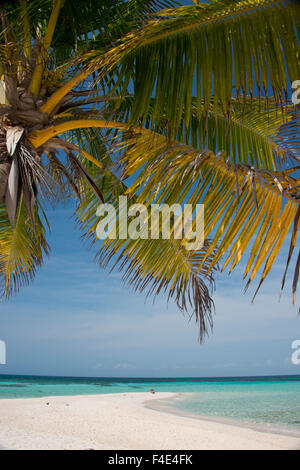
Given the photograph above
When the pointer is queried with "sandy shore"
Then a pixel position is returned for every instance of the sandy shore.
(120, 421)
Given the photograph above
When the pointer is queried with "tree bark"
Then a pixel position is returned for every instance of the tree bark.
(4, 172)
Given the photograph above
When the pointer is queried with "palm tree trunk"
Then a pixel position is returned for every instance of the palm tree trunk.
(4, 172)
(5, 164)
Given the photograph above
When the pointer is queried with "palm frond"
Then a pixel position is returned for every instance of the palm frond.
(165, 266)
(258, 134)
(150, 266)
(22, 249)
(243, 206)
(255, 42)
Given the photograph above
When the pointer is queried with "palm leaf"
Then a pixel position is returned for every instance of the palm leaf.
(255, 42)
(258, 134)
(243, 206)
(179, 276)
(22, 249)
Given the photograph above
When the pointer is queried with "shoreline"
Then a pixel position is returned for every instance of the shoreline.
(125, 421)
(159, 405)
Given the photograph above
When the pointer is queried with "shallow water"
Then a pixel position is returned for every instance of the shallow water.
(255, 400)
(276, 404)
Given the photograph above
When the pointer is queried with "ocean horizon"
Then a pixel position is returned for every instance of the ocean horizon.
(273, 401)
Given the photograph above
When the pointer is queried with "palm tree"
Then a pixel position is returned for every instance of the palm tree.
(192, 103)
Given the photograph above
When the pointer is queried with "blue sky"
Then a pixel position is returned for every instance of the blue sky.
(77, 320)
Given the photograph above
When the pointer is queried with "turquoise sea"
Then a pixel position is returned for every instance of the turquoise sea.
(271, 401)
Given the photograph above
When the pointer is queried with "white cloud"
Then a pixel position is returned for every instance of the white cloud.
(268, 363)
(98, 366)
(124, 366)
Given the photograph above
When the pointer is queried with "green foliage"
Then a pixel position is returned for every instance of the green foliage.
(192, 102)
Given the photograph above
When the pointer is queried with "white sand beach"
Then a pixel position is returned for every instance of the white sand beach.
(121, 422)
